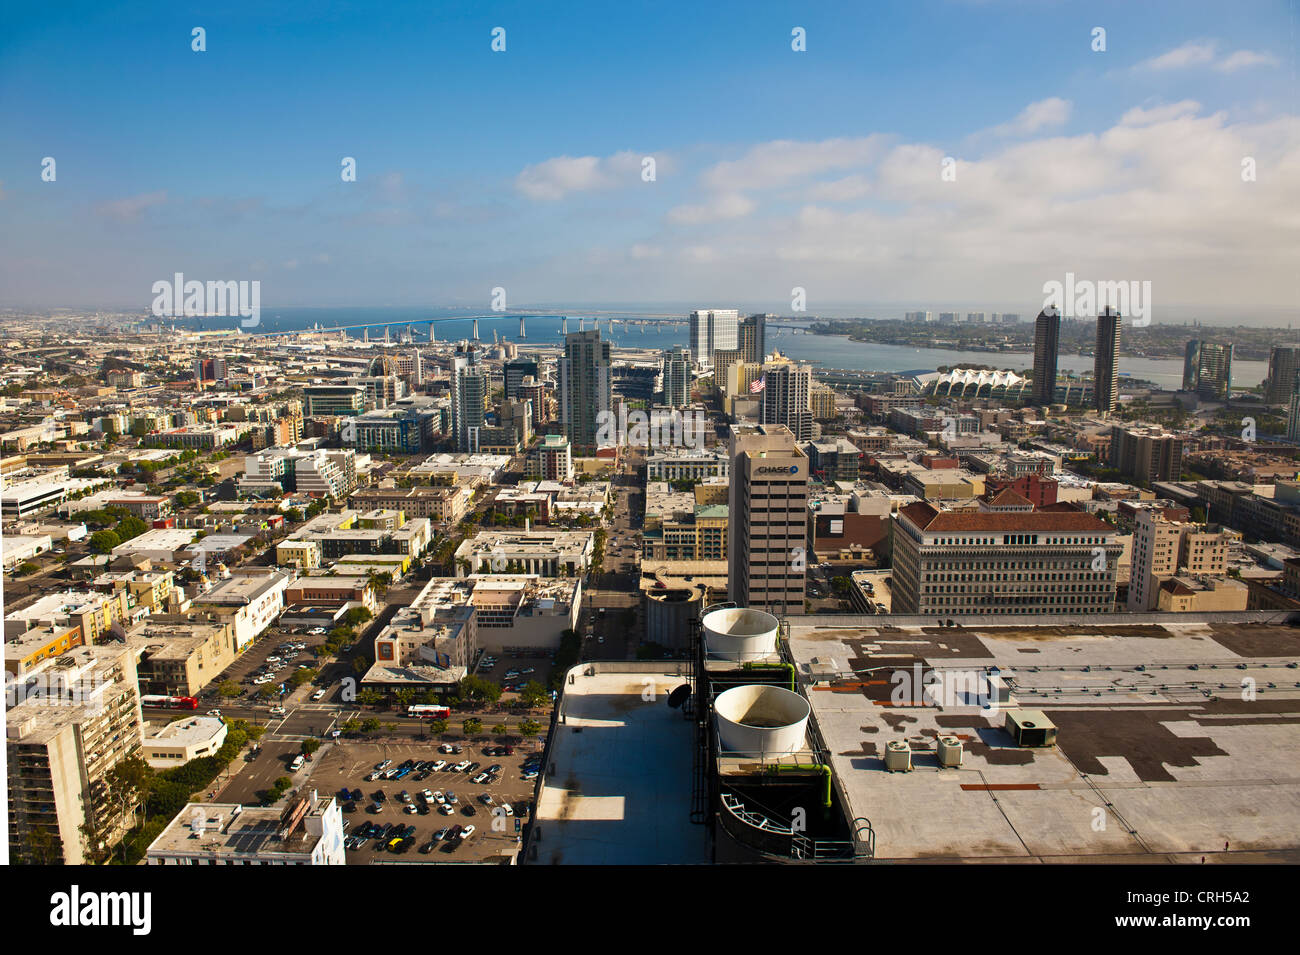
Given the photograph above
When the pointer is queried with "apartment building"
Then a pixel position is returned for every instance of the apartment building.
(77, 719)
(1164, 548)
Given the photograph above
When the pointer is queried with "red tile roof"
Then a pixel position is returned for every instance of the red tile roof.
(928, 518)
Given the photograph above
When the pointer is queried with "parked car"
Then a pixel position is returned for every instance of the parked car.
(297, 763)
(461, 766)
(318, 695)
(384, 765)
(466, 833)
(480, 778)
(439, 765)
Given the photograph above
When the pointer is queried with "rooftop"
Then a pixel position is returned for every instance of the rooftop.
(617, 789)
(1153, 736)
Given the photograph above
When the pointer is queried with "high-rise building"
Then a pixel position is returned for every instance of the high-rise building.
(209, 369)
(64, 740)
(1293, 411)
(785, 398)
(1047, 338)
(712, 329)
(677, 377)
(1145, 454)
(996, 561)
(516, 371)
(470, 387)
(585, 389)
(1105, 366)
(768, 510)
(752, 337)
(550, 459)
(1207, 370)
(1163, 548)
(1283, 363)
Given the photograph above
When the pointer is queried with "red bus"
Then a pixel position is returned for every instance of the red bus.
(428, 711)
(170, 702)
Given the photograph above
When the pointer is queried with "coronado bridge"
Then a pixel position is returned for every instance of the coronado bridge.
(386, 328)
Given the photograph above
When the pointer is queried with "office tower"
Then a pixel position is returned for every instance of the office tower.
(1283, 363)
(1163, 549)
(1105, 365)
(768, 509)
(515, 373)
(585, 389)
(1293, 411)
(963, 562)
(677, 377)
(209, 369)
(752, 337)
(538, 394)
(76, 717)
(1207, 370)
(470, 388)
(785, 398)
(1047, 338)
(712, 329)
(1145, 454)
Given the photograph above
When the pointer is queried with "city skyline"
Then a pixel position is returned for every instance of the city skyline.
(795, 175)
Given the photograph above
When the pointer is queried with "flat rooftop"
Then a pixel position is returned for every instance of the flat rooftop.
(1155, 740)
(617, 787)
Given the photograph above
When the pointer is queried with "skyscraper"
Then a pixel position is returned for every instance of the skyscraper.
(1105, 366)
(711, 329)
(1047, 337)
(768, 510)
(1207, 370)
(785, 398)
(752, 337)
(1283, 363)
(469, 398)
(1293, 411)
(677, 377)
(585, 389)
(515, 371)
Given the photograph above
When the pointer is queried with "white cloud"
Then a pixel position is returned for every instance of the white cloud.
(558, 177)
(726, 206)
(1053, 111)
(1243, 59)
(1203, 53)
(131, 208)
(1138, 116)
(784, 161)
(1189, 54)
(641, 250)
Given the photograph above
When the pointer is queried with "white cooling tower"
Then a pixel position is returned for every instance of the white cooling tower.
(739, 634)
(761, 721)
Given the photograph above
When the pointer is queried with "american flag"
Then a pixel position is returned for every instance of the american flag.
(756, 386)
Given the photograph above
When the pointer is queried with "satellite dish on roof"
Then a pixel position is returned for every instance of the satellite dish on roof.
(679, 696)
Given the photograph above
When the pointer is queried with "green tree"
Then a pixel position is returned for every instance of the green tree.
(130, 527)
(227, 689)
(369, 724)
(186, 498)
(533, 694)
(310, 745)
(530, 728)
(437, 727)
(471, 726)
(499, 729)
(102, 542)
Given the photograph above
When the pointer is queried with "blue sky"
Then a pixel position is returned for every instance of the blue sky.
(775, 168)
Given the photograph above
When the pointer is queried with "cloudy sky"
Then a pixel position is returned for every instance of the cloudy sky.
(1173, 155)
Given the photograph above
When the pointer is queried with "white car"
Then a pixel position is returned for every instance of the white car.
(316, 631)
(297, 763)
(461, 766)
(438, 766)
(466, 833)
(277, 711)
(318, 695)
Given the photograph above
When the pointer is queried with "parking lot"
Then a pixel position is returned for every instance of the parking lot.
(346, 764)
(526, 668)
